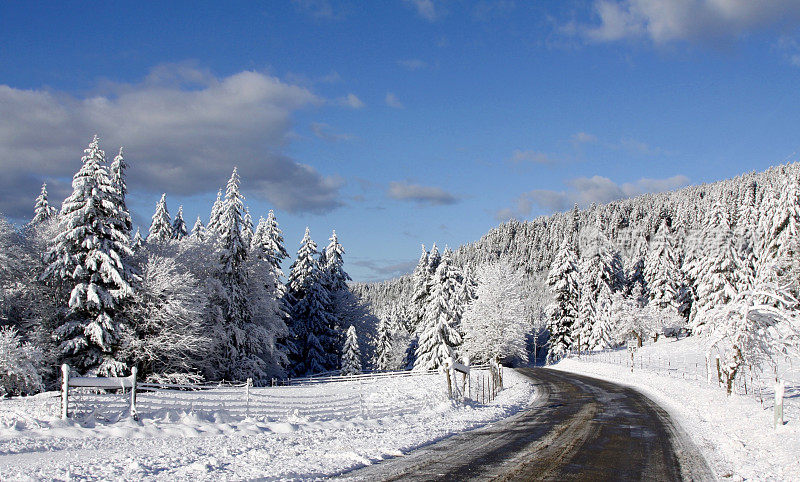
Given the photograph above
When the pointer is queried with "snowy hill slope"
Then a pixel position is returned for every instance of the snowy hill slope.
(212, 443)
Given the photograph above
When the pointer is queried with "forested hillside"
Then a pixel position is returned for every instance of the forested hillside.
(659, 263)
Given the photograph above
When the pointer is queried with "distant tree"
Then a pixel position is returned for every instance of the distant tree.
(216, 213)
(179, 226)
(161, 227)
(198, 230)
(117, 175)
(384, 348)
(42, 210)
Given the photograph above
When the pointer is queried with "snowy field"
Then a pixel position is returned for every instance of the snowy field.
(308, 432)
(735, 434)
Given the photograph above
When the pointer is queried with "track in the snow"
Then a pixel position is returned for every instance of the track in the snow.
(579, 428)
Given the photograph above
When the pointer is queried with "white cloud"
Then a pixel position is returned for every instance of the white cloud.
(587, 190)
(317, 8)
(664, 21)
(326, 133)
(183, 130)
(412, 64)
(583, 138)
(529, 156)
(393, 101)
(431, 195)
(352, 101)
(425, 9)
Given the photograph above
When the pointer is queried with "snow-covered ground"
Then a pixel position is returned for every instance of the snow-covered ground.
(735, 434)
(311, 431)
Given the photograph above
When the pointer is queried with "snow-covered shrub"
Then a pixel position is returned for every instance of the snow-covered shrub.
(20, 365)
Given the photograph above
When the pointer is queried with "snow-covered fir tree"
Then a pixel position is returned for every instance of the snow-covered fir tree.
(384, 349)
(269, 238)
(42, 210)
(247, 227)
(161, 226)
(216, 212)
(563, 312)
(88, 258)
(179, 225)
(137, 241)
(117, 174)
(716, 271)
(311, 322)
(198, 232)
(438, 334)
(662, 270)
(351, 354)
(421, 284)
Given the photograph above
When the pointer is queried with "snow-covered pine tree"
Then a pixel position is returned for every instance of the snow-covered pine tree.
(603, 328)
(198, 230)
(42, 210)
(310, 319)
(438, 334)
(420, 291)
(216, 212)
(562, 314)
(179, 225)
(662, 270)
(351, 355)
(161, 227)
(384, 348)
(88, 258)
(780, 231)
(716, 272)
(137, 241)
(247, 227)
(117, 174)
(634, 270)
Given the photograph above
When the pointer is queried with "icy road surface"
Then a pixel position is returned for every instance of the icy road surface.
(579, 428)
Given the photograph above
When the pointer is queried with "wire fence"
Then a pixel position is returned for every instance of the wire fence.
(750, 381)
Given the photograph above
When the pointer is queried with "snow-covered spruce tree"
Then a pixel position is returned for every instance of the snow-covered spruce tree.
(602, 335)
(20, 365)
(247, 227)
(42, 210)
(635, 267)
(421, 284)
(494, 324)
(161, 226)
(780, 232)
(438, 335)
(269, 238)
(117, 175)
(137, 241)
(716, 272)
(198, 231)
(88, 258)
(243, 339)
(216, 212)
(310, 319)
(662, 270)
(179, 226)
(351, 355)
(384, 349)
(562, 314)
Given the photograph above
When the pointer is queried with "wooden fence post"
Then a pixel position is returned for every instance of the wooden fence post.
(780, 387)
(134, 372)
(247, 396)
(64, 390)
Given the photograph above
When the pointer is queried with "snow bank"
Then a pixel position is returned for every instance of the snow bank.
(735, 434)
(208, 444)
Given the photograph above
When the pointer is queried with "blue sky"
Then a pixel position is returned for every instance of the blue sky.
(399, 122)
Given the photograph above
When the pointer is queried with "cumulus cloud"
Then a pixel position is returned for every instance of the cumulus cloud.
(431, 195)
(412, 64)
(183, 130)
(664, 21)
(587, 190)
(528, 156)
(393, 101)
(425, 9)
(350, 100)
(326, 133)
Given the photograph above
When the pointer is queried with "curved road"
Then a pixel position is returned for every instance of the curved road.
(578, 428)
